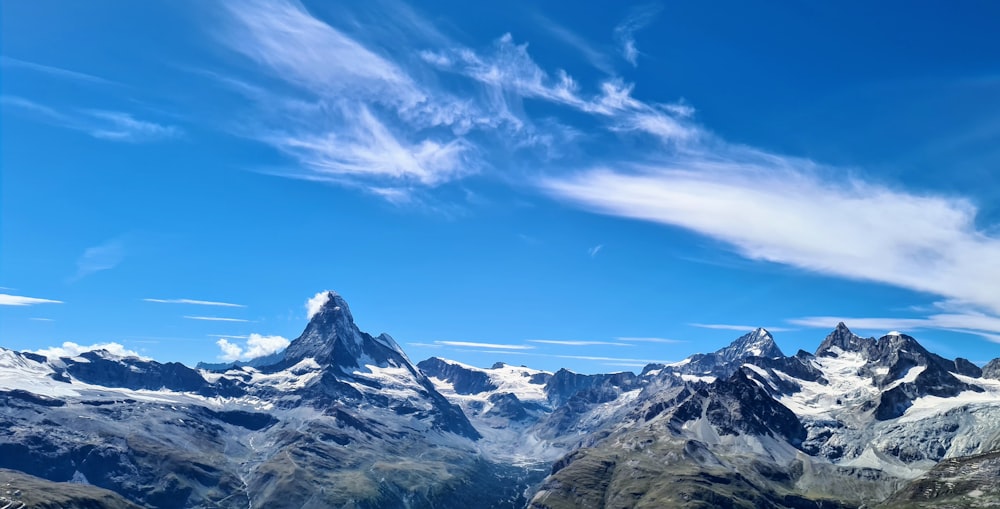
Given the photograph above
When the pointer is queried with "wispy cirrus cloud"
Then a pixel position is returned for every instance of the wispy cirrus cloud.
(351, 113)
(195, 302)
(215, 319)
(374, 114)
(57, 72)
(797, 213)
(101, 124)
(625, 31)
(491, 346)
(575, 342)
(594, 250)
(592, 54)
(21, 300)
(100, 257)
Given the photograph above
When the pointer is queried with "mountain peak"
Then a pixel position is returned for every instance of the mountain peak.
(331, 332)
(757, 343)
(847, 341)
(328, 303)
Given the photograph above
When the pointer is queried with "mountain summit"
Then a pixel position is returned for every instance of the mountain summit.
(332, 338)
(758, 343)
(841, 337)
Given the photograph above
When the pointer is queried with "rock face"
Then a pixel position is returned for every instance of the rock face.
(992, 369)
(969, 481)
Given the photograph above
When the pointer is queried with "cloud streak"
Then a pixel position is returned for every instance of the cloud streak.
(492, 346)
(195, 302)
(101, 124)
(57, 72)
(21, 300)
(215, 319)
(800, 214)
(575, 342)
(625, 32)
(99, 258)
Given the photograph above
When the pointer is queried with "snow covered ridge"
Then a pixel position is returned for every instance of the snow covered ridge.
(345, 405)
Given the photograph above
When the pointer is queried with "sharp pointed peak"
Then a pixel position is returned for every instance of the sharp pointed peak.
(758, 342)
(326, 303)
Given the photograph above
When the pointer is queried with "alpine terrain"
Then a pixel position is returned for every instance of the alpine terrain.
(342, 418)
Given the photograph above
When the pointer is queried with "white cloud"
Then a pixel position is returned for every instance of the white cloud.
(594, 250)
(510, 75)
(625, 32)
(575, 342)
(356, 116)
(230, 351)
(101, 124)
(215, 319)
(316, 303)
(53, 71)
(39, 319)
(101, 257)
(256, 345)
(493, 346)
(736, 327)
(121, 126)
(195, 302)
(596, 57)
(371, 114)
(793, 212)
(71, 349)
(20, 300)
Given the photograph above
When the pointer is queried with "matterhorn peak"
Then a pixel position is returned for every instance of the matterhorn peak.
(331, 330)
(328, 303)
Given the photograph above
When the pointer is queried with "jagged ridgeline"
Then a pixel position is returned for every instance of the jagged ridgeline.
(342, 418)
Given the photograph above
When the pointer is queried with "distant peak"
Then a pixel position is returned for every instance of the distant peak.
(841, 337)
(758, 343)
(894, 333)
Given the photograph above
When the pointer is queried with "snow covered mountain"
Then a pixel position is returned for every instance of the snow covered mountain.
(342, 418)
(850, 425)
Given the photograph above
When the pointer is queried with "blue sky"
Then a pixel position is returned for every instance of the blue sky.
(592, 186)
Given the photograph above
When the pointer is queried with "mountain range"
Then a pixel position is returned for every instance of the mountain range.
(342, 418)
